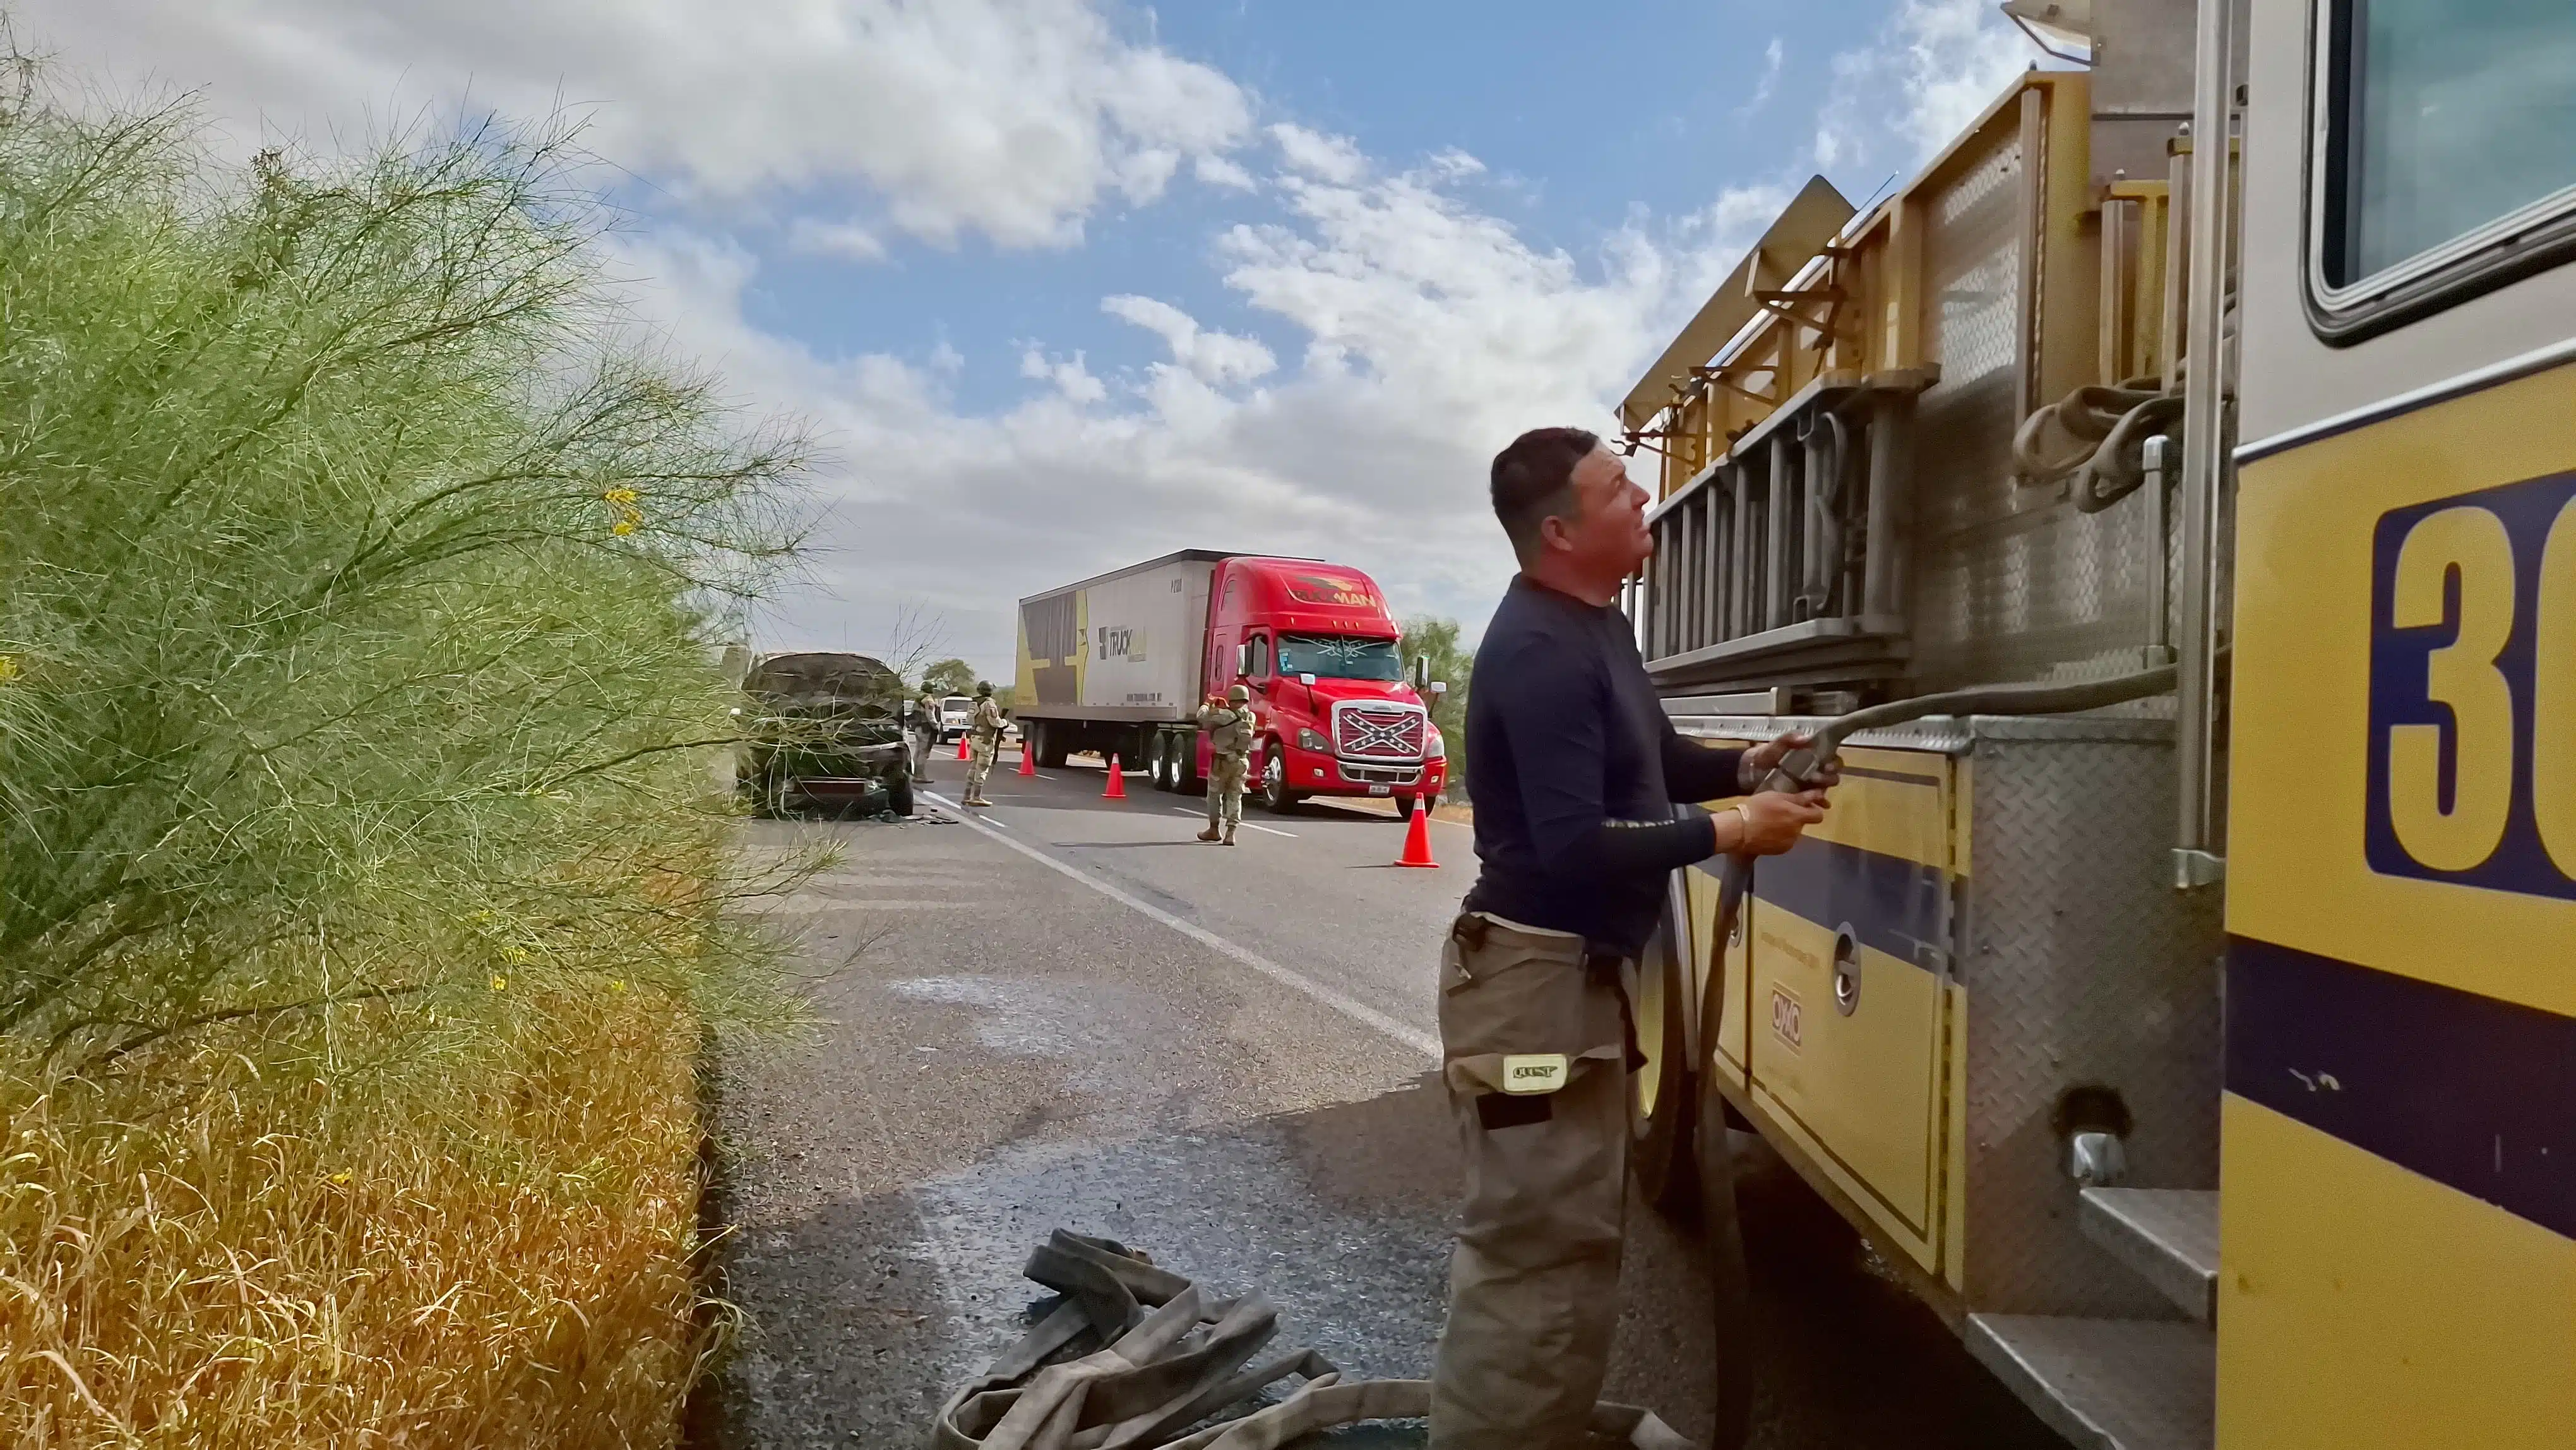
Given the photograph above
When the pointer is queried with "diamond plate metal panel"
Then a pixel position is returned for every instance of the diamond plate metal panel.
(2081, 967)
(2010, 583)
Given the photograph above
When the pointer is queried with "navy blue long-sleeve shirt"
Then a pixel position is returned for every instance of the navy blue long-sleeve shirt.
(1576, 771)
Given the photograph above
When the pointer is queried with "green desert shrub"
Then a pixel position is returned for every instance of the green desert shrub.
(361, 564)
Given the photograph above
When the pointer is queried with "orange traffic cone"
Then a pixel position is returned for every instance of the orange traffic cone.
(1028, 757)
(1417, 837)
(961, 747)
(1117, 783)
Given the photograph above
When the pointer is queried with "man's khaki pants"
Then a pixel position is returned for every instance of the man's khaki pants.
(1534, 1285)
(979, 765)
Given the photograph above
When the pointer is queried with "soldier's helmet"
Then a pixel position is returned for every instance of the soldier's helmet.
(1239, 695)
(983, 688)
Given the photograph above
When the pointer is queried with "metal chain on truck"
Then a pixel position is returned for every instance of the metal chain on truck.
(1136, 1355)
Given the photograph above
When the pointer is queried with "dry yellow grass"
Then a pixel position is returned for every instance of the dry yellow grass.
(495, 1253)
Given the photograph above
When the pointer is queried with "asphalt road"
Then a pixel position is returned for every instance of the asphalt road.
(1073, 1014)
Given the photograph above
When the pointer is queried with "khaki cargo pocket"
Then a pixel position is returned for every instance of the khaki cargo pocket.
(1522, 997)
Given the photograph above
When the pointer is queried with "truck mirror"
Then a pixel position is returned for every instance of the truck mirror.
(1307, 680)
(1243, 659)
(1440, 687)
(1421, 670)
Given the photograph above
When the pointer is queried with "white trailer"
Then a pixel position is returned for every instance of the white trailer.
(1105, 661)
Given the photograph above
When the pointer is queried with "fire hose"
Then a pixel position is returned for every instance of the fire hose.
(1800, 766)
(1158, 1357)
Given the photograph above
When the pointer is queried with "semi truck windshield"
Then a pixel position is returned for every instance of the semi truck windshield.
(1339, 657)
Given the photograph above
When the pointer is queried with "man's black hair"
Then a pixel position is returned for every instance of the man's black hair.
(1533, 481)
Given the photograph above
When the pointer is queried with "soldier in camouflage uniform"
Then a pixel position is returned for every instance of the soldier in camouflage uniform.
(1228, 724)
(925, 733)
(983, 737)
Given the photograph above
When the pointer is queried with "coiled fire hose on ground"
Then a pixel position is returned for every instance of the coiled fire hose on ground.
(1136, 1355)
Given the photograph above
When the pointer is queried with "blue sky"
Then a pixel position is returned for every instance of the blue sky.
(1067, 283)
(1579, 127)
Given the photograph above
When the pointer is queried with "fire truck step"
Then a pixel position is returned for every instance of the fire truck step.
(2107, 1384)
(2168, 1235)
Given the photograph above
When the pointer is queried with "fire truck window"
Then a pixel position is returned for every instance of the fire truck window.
(2443, 118)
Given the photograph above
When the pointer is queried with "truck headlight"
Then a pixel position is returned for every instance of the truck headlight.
(1433, 747)
(1311, 740)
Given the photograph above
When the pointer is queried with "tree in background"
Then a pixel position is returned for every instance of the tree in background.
(916, 634)
(949, 677)
(1436, 639)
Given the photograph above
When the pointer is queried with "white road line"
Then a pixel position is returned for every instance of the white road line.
(1247, 825)
(1357, 1011)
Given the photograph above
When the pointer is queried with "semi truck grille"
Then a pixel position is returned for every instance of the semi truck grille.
(1377, 732)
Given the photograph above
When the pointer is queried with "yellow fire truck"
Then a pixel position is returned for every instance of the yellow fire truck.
(2208, 1058)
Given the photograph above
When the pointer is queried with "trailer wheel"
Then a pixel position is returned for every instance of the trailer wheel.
(1050, 744)
(1185, 762)
(899, 795)
(1664, 1092)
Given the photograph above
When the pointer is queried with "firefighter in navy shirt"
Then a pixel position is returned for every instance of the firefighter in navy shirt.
(1578, 774)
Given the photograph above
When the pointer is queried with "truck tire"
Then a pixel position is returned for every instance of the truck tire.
(1664, 1092)
(899, 795)
(1276, 797)
(1050, 744)
(1162, 762)
(1185, 763)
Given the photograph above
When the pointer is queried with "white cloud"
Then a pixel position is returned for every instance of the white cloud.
(1335, 159)
(1774, 56)
(1432, 333)
(1070, 377)
(1217, 358)
(1928, 72)
(852, 241)
(1217, 171)
(1010, 118)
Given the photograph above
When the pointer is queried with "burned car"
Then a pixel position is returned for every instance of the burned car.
(823, 729)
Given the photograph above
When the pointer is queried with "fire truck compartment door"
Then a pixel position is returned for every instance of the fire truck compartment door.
(1845, 1037)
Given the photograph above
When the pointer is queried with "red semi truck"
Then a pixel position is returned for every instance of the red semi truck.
(1119, 664)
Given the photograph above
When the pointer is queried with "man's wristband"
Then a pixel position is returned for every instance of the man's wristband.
(1742, 829)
